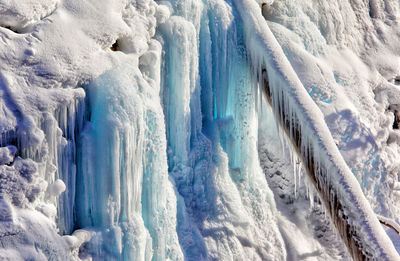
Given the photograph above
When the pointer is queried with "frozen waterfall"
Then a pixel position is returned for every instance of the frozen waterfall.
(139, 130)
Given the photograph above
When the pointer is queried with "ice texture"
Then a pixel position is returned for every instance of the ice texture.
(135, 129)
(211, 121)
(122, 155)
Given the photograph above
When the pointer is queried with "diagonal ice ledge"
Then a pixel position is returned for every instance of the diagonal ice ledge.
(304, 122)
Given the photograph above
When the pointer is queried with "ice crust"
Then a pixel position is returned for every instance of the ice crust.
(150, 151)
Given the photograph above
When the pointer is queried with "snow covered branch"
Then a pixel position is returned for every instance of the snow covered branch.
(389, 223)
(304, 124)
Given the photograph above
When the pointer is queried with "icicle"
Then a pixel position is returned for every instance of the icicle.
(294, 174)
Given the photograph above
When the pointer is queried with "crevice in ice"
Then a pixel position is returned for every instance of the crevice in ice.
(395, 109)
(374, 9)
(396, 80)
(396, 119)
(8, 137)
(265, 8)
(12, 29)
(115, 46)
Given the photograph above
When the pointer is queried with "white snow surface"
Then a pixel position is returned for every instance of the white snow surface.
(281, 75)
(156, 150)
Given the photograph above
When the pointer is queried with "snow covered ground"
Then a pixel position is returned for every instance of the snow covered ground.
(133, 130)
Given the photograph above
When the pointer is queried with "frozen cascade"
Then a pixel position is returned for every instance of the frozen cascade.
(109, 154)
(54, 148)
(61, 132)
(221, 183)
(40, 170)
(156, 158)
(122, 153)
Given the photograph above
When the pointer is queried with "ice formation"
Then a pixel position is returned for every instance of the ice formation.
(136, 129)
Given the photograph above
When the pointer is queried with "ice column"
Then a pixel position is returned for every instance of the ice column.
(225, 208)
(123, 187)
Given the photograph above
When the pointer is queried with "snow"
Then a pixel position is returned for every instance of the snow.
(67, 49)
(7, 154)
(155, 150)
(288, 91)
(56, 188)
(301, 213)
(19, 16)
(389, 222)
(6, 211)
(162, 14)
(354, 76)
(31, 235)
